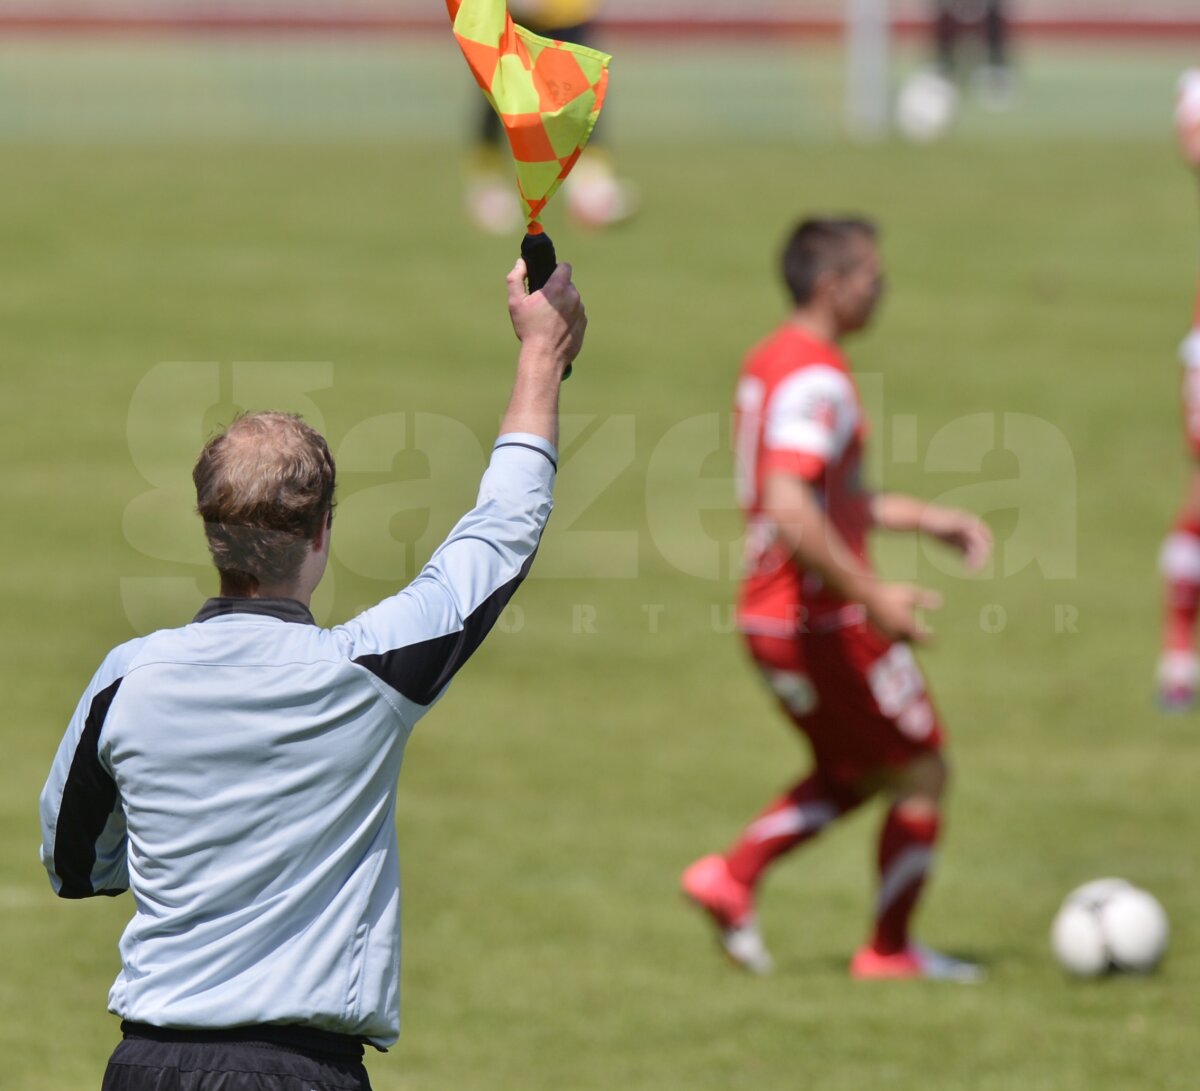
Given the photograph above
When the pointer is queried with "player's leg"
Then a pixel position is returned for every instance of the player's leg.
(996, 84)
(995, 33)
(1178, 673)
(927, 101)
(946, 32)
(889, 741)
(491, 195)
(596, 196)
(725, 886)
(1179, 562)
(788, 822)
(907, 845)
(907, 842)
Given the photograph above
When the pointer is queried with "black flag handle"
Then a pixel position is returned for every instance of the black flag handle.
(540, 263)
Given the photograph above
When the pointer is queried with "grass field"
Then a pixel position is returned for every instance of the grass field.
(188, 228)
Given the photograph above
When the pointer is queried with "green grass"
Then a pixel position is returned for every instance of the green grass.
(1041, 265)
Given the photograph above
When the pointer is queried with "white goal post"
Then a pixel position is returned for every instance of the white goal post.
(868, 69)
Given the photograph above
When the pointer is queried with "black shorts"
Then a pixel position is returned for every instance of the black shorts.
(243, 1059)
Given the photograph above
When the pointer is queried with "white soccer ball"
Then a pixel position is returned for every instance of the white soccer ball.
(1109, 925)
(926, 106)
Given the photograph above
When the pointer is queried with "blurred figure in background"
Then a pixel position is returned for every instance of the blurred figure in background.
(1178, 666)
(928, 100)
(595, 196)
(955, 23)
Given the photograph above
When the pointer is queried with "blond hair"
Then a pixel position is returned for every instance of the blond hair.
(264, 488)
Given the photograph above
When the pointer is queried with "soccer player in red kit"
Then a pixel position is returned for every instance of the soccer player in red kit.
(1178, 666)
(830, 638)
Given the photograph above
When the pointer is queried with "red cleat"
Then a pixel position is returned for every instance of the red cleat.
(708, 883)
(913, 962)
(730, 905)
(1178, 680)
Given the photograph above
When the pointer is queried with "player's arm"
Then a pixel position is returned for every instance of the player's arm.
(815, 544)
(1187, 117)
(83, 824)
(958, 529)
(810, 420)
(417, 640)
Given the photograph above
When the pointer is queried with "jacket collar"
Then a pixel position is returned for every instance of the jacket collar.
(282, 609)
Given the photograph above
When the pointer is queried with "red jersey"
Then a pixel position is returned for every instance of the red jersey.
(797, 412)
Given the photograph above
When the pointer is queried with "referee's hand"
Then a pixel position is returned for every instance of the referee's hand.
(551, 322)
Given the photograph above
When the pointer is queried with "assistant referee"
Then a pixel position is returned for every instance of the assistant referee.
(238, 774)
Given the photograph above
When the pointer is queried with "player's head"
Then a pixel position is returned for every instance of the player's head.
(264, 487)
(833, 264)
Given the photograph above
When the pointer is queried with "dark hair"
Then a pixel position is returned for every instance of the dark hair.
(264, 486)
(819, 245)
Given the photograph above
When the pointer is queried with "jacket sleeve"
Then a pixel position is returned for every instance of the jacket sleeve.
(417, 640)
(83, 823)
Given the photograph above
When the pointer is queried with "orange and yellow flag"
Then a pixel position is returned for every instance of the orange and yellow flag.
(547, 93)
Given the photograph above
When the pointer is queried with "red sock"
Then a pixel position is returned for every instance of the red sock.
(789, 821)
(905, 856)
(1180, 564)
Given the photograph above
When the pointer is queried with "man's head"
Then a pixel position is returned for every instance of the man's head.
(832, 265)
(264, 487)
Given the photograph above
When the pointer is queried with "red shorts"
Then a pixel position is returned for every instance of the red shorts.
(860, 699)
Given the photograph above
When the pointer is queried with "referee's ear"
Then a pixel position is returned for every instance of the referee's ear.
(320, 542)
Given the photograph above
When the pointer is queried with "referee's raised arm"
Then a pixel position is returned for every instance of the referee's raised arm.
(417, 640)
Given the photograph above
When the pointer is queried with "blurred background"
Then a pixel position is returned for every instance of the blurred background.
(209, 206)
(141, 66)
